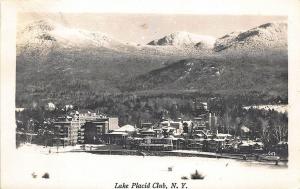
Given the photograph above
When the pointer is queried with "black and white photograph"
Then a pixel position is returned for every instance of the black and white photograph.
(155, 100)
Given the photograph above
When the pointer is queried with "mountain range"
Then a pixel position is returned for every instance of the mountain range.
(62, 64)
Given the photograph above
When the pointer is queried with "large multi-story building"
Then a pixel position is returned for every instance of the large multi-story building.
(82, 128)
(95, 129)
(66, 130)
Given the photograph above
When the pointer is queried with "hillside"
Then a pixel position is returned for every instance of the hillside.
(58, 63)
(265, 75)
(66, 65)
(253, 60)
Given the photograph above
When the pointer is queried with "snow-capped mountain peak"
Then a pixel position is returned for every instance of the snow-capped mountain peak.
(183, 38)
(46, 32)
(266, 36)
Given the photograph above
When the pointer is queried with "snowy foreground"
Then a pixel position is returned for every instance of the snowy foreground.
(84, 170)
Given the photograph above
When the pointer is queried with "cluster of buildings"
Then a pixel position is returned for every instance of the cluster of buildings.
(84, 128)
(199, 133)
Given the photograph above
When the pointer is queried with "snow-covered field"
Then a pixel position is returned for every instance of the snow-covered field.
(278, 108)
(84, 170)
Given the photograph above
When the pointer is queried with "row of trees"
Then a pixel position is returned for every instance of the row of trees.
(268, 125)
(271, 126)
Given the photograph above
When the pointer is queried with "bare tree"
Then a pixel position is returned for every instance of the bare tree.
(280, 131)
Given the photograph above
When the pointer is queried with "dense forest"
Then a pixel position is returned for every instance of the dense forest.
(134, 108)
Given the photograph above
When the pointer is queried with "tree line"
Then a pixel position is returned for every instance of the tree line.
(269, 125)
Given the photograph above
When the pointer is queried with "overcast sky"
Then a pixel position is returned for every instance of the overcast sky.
(142, 28)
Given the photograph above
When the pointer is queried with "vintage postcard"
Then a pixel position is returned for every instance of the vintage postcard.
(148, 95)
